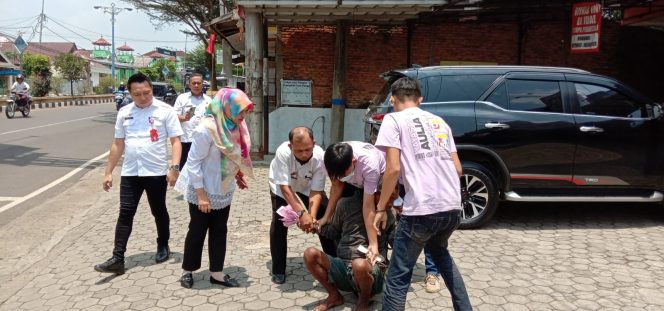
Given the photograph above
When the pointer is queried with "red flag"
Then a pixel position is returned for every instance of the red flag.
(210, 48)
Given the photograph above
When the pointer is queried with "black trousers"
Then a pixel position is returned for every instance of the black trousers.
(216, 221)
(279, 233)
(185, 153)
(131, 190)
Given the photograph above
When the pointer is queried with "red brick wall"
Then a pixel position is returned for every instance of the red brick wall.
(464, 42)
(308, 52)
(548, 44)
(372, 51)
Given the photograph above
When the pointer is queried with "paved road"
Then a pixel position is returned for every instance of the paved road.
(531, 257)
(39, 150)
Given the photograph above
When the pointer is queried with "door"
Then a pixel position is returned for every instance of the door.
(618, 136)
(525, 120)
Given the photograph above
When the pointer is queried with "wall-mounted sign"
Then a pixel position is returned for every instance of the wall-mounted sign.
(586, 23)
(296, 93)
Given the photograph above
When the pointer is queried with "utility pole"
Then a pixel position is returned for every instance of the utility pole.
(41, 23)
(113, 10)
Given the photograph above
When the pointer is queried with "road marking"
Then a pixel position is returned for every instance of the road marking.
(9, 198)
(52, 184)
(57, 123)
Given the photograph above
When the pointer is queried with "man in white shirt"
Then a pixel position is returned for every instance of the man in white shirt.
(141, 130)
(21, 88)
(190, 107)
(297, 170)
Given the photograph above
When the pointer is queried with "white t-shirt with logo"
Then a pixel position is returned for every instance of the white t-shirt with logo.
(427, 169)
(142, 156)
(302, 178)
(183, 103)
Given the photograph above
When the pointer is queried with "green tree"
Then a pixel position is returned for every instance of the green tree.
(196, 59)
(38, 68)
(72, 67)
(151, 72)
(160, 64)
(35, 64)
(193, 13)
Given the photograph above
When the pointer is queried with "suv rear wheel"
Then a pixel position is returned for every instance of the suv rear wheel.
(479, 196)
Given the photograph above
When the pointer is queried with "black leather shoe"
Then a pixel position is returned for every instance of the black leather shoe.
(113, 265)
(187, 280)
(279, 278)
(163, 252)
(228, 281)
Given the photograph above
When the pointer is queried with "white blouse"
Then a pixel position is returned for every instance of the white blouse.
(203, 170)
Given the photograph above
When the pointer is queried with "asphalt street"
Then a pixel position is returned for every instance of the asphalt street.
(38, 151)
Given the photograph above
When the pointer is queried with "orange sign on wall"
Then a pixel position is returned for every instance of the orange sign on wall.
(586, 23)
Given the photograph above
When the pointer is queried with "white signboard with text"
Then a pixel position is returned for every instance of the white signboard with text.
(296, 93)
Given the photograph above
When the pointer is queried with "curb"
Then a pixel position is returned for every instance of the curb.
(65, 103)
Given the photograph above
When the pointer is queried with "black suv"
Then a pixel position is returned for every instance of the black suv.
(540, 134)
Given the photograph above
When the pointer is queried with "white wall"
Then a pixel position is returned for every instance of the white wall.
(284, 119)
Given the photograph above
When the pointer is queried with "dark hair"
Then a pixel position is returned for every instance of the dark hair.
(406, 88)
(138, 78)
(292, 133)
(338, 158)
(194, 75)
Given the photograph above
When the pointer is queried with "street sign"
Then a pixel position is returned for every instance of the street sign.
(166, 52)
(20, 44)
(165, 71)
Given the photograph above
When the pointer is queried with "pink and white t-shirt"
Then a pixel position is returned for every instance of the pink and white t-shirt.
(427, 170)
(369, 166)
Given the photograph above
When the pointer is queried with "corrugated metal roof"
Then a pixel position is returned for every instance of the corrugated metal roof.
(326, 11)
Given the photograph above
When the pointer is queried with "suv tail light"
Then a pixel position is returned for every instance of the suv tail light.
(377, 117)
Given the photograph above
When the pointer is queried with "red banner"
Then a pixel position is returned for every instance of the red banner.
(586, 24)
(210, 48)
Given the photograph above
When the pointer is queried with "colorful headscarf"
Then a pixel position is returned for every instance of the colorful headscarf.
(227, 104)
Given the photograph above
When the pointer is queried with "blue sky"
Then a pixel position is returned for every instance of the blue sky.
(86, 24)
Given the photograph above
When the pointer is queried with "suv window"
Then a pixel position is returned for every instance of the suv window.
(499, 96)
(603, 101)
(456, 87)
(534, 95)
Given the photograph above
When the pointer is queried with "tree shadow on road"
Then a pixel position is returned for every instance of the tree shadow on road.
(22, 156)
(539, 216)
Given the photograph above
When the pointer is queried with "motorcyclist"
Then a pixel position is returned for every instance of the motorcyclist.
(121, 88)
(21, 88)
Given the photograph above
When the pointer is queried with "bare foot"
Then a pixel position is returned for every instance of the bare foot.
(330, 302)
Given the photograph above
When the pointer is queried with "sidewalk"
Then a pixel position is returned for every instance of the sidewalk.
(533, 262)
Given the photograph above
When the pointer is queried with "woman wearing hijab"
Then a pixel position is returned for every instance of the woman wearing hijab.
(218, 160)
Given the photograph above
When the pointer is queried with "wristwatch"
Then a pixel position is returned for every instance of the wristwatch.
(174, 167)
(300, 213)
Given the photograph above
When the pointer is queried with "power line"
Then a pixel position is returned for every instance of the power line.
(61, 37)
(123, 38)
(23, 20)
(81, 36)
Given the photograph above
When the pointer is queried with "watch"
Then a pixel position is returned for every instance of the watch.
(300, 213)
(174, 167)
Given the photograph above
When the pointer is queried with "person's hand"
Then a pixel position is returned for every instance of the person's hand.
(241, 182)
(322, 222)
(172, 177)
(306, 222)
(108, 182)
(380, 220)
(372, 253)
(204, 203)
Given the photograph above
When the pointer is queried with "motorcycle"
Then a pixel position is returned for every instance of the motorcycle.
(119, 99)
(20, 102)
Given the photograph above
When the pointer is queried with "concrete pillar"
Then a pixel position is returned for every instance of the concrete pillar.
(228, 63)
(254, 46)
(339, 84)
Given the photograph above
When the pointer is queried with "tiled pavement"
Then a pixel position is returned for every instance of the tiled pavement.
(531, 257)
